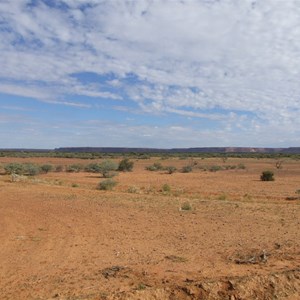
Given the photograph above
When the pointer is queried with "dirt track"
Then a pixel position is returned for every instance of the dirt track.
(62, 242)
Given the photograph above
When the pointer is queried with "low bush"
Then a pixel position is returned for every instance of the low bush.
(107, 168)
(187, 169)
(170, 169)
(223, 196)
(166, 188)
(133, 190)
(59, 168)
(229, 167)
(14, 168)
(241, 166)
(74, 168)
(186, 206)
(22, 169)
(93, 168)
(155, 167)
(46, 168)
(267, 176)
(125, 165)
(215, 168)
(107, 185)
(31, 169)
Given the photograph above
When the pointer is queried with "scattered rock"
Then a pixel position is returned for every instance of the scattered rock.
(253, 258)
(112, 271)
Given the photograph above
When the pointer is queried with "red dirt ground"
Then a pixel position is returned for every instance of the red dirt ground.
(240, 240)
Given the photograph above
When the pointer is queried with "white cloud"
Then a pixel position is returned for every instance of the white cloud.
(189, 57)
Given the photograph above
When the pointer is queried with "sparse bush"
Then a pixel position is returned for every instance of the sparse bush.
(223, 196)
(93, 168)
(170, 169)
(31, 169)
(224, 159)
(125, 165)
(227, 167)
(186, 206)
(14, 168)
(46, 168)
(151, 168)
(155, 167)
(267, 176)
(215, 168)
(133, 190)
(59, 168)
(187, 169)
(107, 168)
(149, 190)
(107, 184)
(144, 156)
(141, 287)
(75, 185)
(241, 166)
(166, 188)
(74, 168)
(164, 157)
(247, 197)
(278, 164)
(158, 166)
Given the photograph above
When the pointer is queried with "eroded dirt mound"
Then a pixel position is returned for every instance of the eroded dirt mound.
(284, 285)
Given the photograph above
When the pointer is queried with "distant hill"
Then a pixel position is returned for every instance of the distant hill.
(290, 150)
(180, 150)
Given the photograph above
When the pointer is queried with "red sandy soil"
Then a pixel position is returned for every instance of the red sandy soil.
(240, 240)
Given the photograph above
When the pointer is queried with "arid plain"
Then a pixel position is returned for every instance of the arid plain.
(61, 238)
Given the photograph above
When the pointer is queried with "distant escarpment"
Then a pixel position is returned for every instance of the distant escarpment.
(292, 150)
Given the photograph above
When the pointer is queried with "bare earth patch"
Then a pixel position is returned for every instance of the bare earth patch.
(63, 239)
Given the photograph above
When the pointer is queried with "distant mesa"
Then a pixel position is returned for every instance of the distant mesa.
(290, 150)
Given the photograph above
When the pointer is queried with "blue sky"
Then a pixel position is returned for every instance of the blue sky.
(149, 73)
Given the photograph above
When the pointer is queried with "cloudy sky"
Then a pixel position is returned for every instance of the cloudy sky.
(149, 73)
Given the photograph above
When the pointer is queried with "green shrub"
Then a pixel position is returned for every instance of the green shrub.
(14, 168)
(166, 188)
(230, 167)
(151, 168)
(186, 206)
(141, 287)
(215, 168)
(223, 196)
(125, 165)
(241, 166)
(93, 168)
(74, 168)
(267, 176)
(46, 168)
(144, 156)
(155, 167)
(107, 168)
(133, 190)
(107, 184)
(187, 169)
(31, 169)
(170, 169)
(59, 168)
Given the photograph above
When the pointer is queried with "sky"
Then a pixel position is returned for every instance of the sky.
(149, 73)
